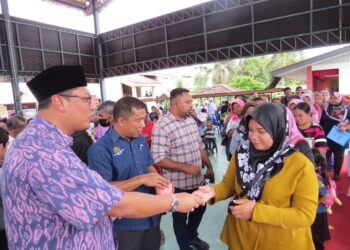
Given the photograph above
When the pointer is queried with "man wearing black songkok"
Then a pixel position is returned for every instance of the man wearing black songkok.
(51, 196)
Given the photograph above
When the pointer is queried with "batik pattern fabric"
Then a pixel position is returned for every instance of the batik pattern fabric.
(51, 199)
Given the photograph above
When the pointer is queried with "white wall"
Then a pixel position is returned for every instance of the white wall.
(343, 64)
(6, 96)
(344, 79)
(114, 90)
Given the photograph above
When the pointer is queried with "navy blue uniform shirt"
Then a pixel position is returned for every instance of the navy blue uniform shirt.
(117, 159)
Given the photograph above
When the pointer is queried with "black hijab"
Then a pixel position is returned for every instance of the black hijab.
(251, 161)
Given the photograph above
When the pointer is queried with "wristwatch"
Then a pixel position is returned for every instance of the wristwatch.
(174, 203)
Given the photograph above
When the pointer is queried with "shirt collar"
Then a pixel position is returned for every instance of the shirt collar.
(113, 134)
(172, 117)
(116, 136)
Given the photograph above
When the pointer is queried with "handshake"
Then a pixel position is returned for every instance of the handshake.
(239, 208)
(186, 202)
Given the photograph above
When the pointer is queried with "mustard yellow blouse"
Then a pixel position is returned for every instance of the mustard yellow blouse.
(283, 216)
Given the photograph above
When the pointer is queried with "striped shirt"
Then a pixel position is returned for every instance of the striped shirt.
(209, 132)
(316, 133)
(178, 141)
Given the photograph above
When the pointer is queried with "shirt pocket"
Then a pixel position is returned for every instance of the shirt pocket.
(123, 165)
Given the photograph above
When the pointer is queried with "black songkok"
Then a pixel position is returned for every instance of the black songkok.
(55, 80)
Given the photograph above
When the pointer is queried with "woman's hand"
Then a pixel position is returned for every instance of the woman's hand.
(244, 209)
(205, 193)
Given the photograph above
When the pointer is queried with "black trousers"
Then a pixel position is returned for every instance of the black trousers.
(338, 154)
(210, 144)
(3, 240)
(138, 239)
(186, 224)
(320, 231)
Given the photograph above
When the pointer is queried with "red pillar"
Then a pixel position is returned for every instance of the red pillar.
(309, 78)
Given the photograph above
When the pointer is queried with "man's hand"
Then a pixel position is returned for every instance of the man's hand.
(244, 209)
(209, 174)
(187, 202)
(154, 180)
(193, 169)
(230, 133)
(205, 193)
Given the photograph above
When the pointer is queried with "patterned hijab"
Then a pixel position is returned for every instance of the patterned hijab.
(330, 109)
(250, 161)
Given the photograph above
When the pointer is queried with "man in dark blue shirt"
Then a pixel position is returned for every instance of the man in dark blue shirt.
(122, 156)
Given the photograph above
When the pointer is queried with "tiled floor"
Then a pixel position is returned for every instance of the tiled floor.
(214, 217)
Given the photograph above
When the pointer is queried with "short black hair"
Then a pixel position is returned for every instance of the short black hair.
(4, 136)
(303, 106)
(257, 99)
(14, 122)
(123, 107)
(107, 106)
(265, 95)
(287, 88)
(44, 104)
(294, 97)
(177, 92)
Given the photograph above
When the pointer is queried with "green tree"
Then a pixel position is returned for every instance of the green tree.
(222, 72)
(179, 84)
(284, 59)
(246, 82)
(257, 71)
(256, 68)
(201, 82)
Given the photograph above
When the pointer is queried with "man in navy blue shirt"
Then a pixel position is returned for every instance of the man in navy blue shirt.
(122, 156)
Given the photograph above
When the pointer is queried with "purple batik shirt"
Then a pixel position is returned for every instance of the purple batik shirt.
(51, 199)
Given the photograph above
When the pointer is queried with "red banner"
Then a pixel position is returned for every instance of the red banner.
(325, 72)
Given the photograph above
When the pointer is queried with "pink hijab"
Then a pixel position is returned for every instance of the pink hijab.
(294, 133)
(316, 116)
(294, 101)
(310, 95)
(240, 103)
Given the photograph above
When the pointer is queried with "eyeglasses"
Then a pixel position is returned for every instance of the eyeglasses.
(85, 98)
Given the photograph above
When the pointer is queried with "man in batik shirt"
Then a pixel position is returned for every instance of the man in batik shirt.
(51, 199)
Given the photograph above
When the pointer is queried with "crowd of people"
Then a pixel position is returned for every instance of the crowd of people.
(78, 176)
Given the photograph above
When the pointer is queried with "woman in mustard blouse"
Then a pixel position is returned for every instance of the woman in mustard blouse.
(280, 199)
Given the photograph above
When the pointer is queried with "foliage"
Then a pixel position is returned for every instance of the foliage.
(246, 73)
(179, 84)
(246, 82)
(201, 82)
(223, 72)
(256, 68)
